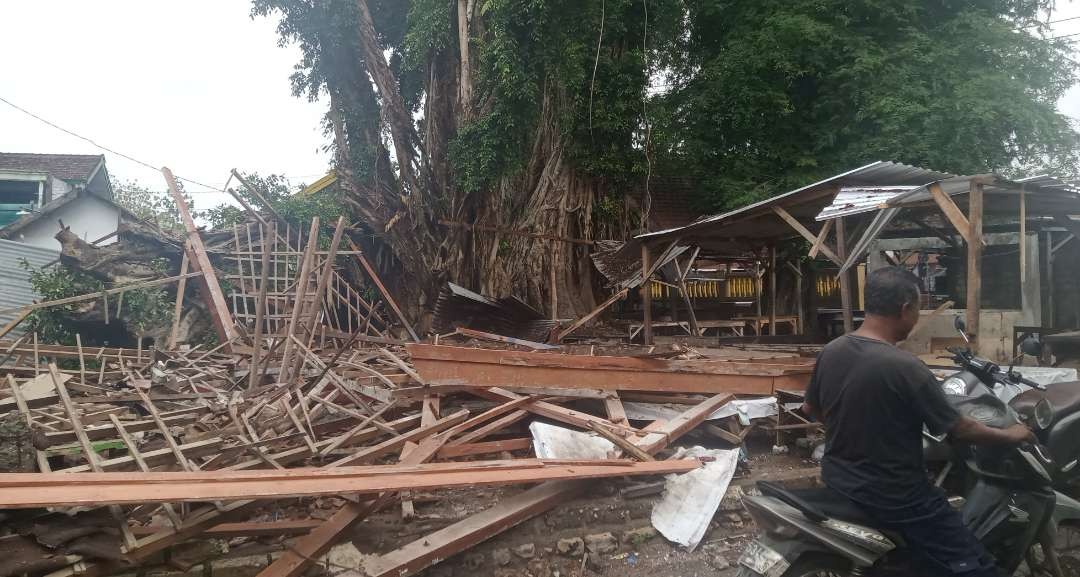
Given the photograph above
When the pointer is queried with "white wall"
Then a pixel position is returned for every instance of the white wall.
(58, 188)
(89, 217)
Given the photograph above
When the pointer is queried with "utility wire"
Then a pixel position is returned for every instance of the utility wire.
(213, 189)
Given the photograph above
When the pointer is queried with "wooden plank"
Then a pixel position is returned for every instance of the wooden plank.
(374, 276)
(30, 490)
(88, 452)
(390, 445)
(773, 302)
(819, 240)
(485, 448)
(178, 308)
(299, 294)
(499, 338)
(133, 450)
(16, 393)
(615, 411)
(444, 543)
(155, 458)
(816, 241)
(268, 235)
(465, 368)
(548, 410)
(208, 282)
(646, 295)
(621, 442)
(951, 211)
(96, 295)
(10, 326)
(593, 314)
(974, 262)
(845, 278)
(97, 433)
(493, 427)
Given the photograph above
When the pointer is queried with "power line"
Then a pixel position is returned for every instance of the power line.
(213, 189)
(1050, 22)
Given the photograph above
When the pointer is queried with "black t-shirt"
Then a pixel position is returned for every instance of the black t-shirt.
(874, 400)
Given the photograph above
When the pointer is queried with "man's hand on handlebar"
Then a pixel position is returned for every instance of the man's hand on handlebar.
(1020, 433)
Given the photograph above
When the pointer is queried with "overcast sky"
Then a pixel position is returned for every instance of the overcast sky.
(197, 86)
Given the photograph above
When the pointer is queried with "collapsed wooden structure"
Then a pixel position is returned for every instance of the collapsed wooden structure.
(311, 393)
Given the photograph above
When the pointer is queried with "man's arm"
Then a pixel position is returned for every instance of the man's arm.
(810, 410)
(968, 430)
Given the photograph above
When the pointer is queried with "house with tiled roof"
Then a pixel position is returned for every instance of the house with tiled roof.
(38, 192)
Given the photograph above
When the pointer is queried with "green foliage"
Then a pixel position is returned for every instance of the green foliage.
(142, 311)
(768, 95)
(224, 216)
(151, 205)
(753, 96)
(327, 204)
(53, 324)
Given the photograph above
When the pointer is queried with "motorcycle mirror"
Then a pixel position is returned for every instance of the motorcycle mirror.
(961, 327)
(1031, 346)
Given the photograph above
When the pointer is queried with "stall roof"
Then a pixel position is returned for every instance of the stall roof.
(757, 222)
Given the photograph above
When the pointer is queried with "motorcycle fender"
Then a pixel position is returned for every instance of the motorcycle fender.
(1065, 509)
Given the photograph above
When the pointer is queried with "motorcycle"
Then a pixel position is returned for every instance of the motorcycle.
(1052, 411)
(1011, 507)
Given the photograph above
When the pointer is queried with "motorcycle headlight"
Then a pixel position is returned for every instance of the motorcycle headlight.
(1044, 414)
(954, 386)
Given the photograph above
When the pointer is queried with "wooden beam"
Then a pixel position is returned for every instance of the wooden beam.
(845, 278)
(444, 543)
(622, 443)
(951, 211)
(299, 294)
(772, 289)
(208, 282)
(374, 276)
(615, 411)
(178, 308)
(974, 261)
(255, 376)
(646, 295)
(817, 242)
(96, 295)
(1023, 238)
(485, 448)
(593, 314)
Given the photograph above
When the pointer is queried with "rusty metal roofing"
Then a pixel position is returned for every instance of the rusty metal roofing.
(458, 306)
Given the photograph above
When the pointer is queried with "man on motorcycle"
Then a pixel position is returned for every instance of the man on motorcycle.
(875, 400)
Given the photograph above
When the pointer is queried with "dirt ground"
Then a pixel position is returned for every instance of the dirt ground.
(548, 546)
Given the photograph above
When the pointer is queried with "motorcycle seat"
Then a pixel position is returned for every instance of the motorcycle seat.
(818, 504)
(1064, 398)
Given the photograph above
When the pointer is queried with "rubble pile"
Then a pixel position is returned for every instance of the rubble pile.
(319, 408)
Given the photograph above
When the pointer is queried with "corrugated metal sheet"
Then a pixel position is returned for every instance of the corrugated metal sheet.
(880, 173)
(859, 199)
(1044, 185)
(509, 317)
(15, 289)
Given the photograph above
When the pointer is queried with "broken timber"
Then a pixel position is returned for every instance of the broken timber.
(465, 367)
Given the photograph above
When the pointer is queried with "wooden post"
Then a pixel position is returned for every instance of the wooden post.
(178, 309)
(974, 260)
(646, 295)
(382, 290)
(772, 289)
(215, 300)
(268, 241)
(298, 298)
(845, 278)
(1023, 238)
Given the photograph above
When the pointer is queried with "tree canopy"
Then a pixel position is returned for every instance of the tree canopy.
(550, 115)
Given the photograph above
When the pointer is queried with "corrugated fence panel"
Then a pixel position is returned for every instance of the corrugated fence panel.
(15, 289)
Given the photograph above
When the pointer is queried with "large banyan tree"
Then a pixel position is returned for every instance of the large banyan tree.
(551, 116)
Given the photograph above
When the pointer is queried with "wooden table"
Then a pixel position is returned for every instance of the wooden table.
(735, 326)
(636, 328)
(757, 323)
